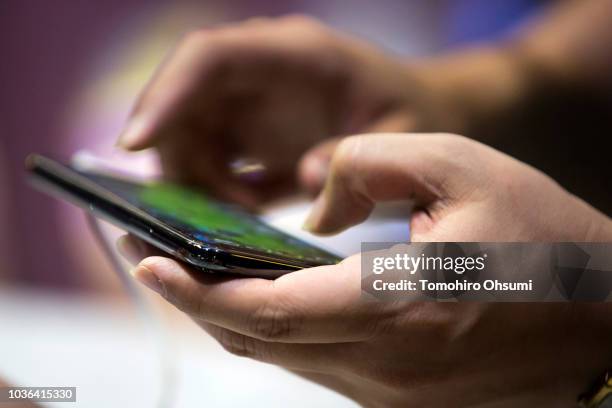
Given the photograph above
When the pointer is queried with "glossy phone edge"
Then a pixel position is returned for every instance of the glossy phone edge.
(61, 181)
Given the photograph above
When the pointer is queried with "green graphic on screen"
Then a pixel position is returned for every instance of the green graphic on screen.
(217, 223)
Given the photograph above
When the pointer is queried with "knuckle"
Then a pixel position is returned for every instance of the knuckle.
(183, 306)
(258, 21)
(188, 300)
(187, 303)
(447, 325)
(215, 50)
(386, 375)
(444, 333)
(309, 28)
(453, 145)
(437, 323)
(385, 326)
(349, 169)
(238, 344)
(461, 158)
(195, 38)
(301, 20)
(273, 322)
(203, 41)
(452, 137)
(449, 144)
(346, 155)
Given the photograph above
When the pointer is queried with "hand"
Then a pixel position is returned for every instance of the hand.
(316, 323)
(463, 191)
(267, 91)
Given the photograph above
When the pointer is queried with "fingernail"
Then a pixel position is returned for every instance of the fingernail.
(131, 249)
(133, 134)
(312, 221)
(145, 276)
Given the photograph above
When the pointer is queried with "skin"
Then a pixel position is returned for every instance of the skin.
(266, 91)
(316, 323)
(282, 93)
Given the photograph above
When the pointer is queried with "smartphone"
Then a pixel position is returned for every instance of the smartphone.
(207, 234)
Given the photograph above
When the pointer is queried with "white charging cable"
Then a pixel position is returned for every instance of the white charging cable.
(150, 320)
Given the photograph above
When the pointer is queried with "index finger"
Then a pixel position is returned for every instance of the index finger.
(320, 304)
(168, 95)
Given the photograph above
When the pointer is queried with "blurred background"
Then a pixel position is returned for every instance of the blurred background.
(70, 71)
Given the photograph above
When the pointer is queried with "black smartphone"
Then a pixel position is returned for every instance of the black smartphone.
(205, 233)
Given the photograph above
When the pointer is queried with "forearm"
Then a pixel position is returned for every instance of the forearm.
(571, 43)
(480, 87)
(563, 53)
(542, 96)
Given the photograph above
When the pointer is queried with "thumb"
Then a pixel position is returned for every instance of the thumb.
(431, 169)
(314, 165)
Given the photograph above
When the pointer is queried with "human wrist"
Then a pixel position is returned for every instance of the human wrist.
(482, 87)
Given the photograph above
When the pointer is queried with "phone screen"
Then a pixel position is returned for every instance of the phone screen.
(209, 220)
